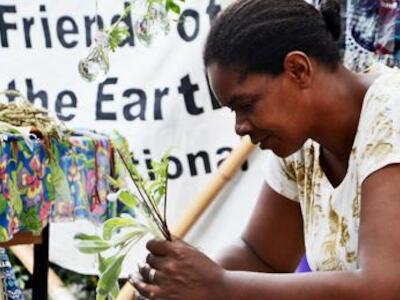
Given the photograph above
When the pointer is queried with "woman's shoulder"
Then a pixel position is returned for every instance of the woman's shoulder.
(387, 80)
(383, 94)
(377, 141)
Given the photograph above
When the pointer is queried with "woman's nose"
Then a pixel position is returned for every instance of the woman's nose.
(242, 127)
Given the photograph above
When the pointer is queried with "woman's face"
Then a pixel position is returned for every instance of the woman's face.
(270, 109)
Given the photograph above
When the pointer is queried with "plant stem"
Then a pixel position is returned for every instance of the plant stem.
(165, 201)
(155, 209)
(127, 10)
(144, 202)
(157, 218)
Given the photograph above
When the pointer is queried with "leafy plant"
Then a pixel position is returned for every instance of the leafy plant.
(118, 33)
(146, 199)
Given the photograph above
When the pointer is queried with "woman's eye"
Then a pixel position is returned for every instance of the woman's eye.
(244, 108)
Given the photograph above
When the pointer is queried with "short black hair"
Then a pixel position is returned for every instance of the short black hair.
(256, 35)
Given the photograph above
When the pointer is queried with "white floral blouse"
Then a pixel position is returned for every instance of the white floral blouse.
(331, 216)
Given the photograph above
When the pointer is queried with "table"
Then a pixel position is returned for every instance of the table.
(40, 184)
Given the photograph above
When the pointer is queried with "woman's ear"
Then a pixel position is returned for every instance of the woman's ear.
(298, 67)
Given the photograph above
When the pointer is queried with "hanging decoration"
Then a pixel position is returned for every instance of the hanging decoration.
(153, 19)
(96, 65)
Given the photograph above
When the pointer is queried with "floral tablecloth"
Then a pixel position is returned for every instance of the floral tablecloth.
(67, 180)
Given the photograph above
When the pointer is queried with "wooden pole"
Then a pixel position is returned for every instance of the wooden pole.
(40, 286)
(224, 173)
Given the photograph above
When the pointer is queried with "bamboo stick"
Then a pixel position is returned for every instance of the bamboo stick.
(57, 289)
(224, 173)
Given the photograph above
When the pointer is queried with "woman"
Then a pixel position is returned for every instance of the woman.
(332, 180)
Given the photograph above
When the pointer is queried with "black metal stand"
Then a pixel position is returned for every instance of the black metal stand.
(41, 267)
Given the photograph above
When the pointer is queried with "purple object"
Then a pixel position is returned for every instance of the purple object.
(303, 266)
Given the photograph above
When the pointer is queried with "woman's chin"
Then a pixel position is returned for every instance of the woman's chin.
(283, 150)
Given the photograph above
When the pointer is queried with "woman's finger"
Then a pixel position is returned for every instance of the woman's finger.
(144, 271)
(160, 248)
(149, 274)
(147, 290)
(156, 262)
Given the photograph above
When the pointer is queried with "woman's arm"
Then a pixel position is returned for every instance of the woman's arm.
(378, 276)
(273, 239)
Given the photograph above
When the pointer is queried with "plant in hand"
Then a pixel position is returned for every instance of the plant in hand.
(148, 202)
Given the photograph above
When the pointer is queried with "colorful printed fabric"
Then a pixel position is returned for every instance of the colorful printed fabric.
(373, 34)
(7, 276)
(26, 190)
(35, 188)
(86, 162)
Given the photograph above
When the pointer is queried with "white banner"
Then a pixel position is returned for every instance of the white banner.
(157, 97)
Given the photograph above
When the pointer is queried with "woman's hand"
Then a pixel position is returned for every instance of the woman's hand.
(181, 272)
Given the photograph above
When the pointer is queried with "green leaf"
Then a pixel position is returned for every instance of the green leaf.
(86, 237)
(117, 35)
(172, 6)
(104, 262)
(101, 296)
(93, 246)
(122, 147)
(114, 224)
(134, 233)
(115, 291)
(109, 277)
(129, 199)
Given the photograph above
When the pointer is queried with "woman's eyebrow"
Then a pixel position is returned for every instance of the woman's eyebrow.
(235, 99)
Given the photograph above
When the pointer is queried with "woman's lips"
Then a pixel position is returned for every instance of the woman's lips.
(265, 143)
